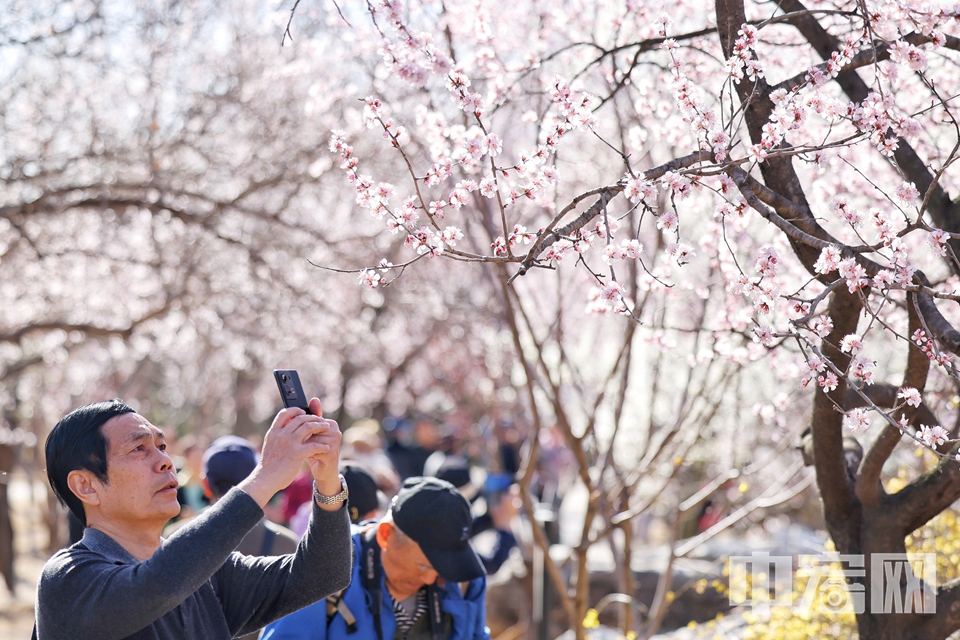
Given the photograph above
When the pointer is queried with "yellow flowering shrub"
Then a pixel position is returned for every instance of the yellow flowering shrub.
(830, 611)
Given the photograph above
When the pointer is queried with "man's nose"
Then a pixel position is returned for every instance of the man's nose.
(164, 461)
(429, 576)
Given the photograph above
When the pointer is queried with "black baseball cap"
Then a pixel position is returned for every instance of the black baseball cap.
(432, 513)
(363, 490)
(227, 462)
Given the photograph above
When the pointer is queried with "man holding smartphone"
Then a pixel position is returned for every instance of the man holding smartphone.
(109, 465)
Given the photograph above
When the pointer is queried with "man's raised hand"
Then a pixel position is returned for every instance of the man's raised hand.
(295, 437)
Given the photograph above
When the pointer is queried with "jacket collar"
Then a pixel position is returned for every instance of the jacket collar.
(101, 543)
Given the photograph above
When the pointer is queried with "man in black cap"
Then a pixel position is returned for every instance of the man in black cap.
(415, 576)
(364, 503)
(501, 500)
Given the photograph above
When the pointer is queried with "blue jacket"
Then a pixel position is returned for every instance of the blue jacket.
(468, 613)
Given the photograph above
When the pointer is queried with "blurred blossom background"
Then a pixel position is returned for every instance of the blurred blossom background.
(175, 224)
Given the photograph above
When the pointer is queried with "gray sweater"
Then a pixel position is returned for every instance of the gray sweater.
(194, 586)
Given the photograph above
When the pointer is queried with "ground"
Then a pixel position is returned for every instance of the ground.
(16, 610)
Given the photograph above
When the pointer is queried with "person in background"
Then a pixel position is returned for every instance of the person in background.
(412, 443)
(110, 467)
(365, 497)
(362, 442)
(297, 494)
(190, 493)
(415, 577)
(226, 463)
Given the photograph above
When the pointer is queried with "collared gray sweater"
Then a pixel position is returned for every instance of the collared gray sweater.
(195, 586)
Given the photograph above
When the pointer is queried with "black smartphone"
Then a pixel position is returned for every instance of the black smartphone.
(290, 389)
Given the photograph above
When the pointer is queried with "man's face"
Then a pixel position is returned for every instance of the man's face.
(405, 568)
(142, 481)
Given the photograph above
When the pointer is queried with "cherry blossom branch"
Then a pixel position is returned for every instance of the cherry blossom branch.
(869, 490)
(938, 326)
(792, 231)
(879, 52)
(548, 235)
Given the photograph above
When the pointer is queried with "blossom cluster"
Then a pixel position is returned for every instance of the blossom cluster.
(701, 117)
(576, 108)
(926, 345)
(608, 298)
(744, 61)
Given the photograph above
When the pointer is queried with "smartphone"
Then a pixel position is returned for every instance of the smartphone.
(290, 389)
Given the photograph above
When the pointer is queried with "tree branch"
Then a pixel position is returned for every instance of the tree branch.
(869, 490)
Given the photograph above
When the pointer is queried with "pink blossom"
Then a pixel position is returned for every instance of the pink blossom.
(766, 264)
(488, 188)
(631, 248)
(938, 241)
(822, 326)
(905, 53)
(828, 381)
(459, 197)
(667, 221)
(853, 273)
(857, 420)
(369, 278)
(829, 260)
(851, 343)
(436, 208)
(799, 309)
(608, 298)
(450, 235)
(681, 252)
(757, 152)
(475, 146)
(519, 235)
(842, 208)
(861, 367)
(933, 436)
(640, 190)
(906, 192)
(494, 145)
(764, 335)
(883, 279)
(679, 183)
(910, 395)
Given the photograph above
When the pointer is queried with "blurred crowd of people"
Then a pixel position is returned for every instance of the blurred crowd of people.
(482, 461)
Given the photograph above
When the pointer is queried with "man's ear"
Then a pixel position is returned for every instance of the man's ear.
(207, 491)
(384, 533)
(85, 486)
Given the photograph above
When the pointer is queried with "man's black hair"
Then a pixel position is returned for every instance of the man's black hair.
(77, 442)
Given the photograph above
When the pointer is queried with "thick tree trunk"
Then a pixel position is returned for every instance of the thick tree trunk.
(6, 522)
(864, 522)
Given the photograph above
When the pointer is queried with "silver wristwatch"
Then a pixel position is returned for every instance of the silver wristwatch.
(337, 499)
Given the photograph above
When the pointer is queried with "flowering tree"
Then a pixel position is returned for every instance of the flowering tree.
(157, 222)
(789, 163)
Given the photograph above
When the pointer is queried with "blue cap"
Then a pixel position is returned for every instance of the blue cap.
(227, 462)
